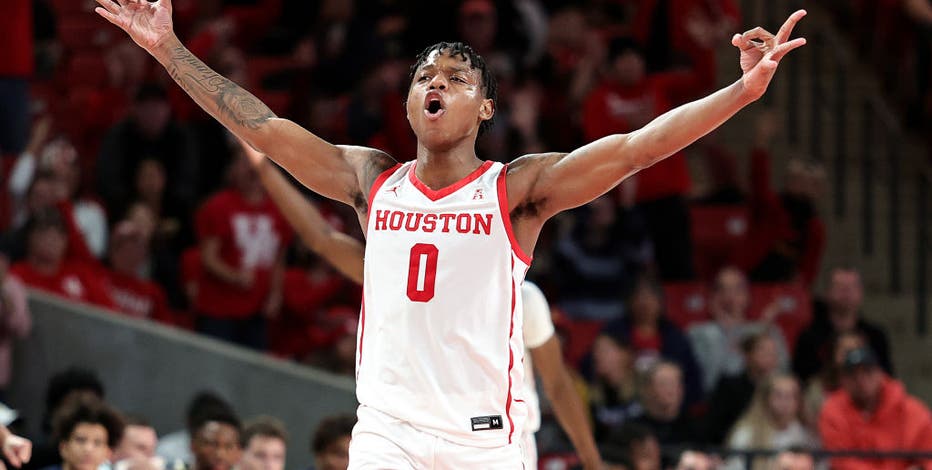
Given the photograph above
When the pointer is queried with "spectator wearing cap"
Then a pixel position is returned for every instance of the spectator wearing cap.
(148, 132)
(15, 320)
(131, 293)
(46, 267)
(873, 412)
(840, 313)
(613, 387)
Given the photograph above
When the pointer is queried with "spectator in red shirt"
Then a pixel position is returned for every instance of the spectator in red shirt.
(786, 236)
(873, 412)
(47, 268)
(626, 100)
(133, 294)
(242, 240)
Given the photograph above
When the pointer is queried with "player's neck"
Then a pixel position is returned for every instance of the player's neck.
(441, 168)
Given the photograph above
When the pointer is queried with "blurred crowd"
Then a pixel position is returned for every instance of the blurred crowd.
(687, 310)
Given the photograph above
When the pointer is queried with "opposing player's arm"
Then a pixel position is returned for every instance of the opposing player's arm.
(342, 251)
(334, 171)
(562, 181)
(569, 408)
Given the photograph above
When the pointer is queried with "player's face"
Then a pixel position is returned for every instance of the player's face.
(264, 453)
(446, 102)
(86, 448)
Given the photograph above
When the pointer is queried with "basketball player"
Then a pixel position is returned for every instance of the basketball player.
(447, 235)
(345, 253)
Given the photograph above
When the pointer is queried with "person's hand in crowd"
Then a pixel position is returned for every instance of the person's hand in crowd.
(39, 135)
(244, 279)
(16, 450)
(273, 304)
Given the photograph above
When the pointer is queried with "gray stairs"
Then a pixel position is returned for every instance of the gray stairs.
(818, 64)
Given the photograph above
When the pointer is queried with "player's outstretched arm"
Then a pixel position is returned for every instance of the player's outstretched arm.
(570, 180)
(335, 172)
(342, 251)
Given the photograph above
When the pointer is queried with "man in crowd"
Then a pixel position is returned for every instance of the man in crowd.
(662, 395)
(264, 443)
(873, 412)
(330, 443)
(717, 343)
(87, 431)
(215, 442)
(137, 447)
(841, 313)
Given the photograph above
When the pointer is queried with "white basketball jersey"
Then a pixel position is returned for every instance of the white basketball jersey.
(440, 341)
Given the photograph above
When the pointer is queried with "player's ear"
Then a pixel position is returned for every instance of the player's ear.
(487, 110)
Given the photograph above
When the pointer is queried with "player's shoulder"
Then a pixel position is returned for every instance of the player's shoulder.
(534, 160)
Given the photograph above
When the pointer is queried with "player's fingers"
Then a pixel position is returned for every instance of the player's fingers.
(758, 33)
(10, 454)
(25, 452)
(741, 42)
(782, 49)
(109, 16)
(788, 26)
(109, 6)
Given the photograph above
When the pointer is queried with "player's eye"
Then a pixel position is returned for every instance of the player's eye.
(457, 78)
(423, 78)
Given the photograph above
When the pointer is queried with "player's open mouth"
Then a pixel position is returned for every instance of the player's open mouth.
(433, 106)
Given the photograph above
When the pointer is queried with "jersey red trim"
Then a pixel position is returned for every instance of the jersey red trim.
(506, 217)
(511, 357)
(362, 334)
(379, 181)
(434, 195)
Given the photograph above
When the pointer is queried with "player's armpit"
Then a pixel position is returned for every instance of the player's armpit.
(339, 172)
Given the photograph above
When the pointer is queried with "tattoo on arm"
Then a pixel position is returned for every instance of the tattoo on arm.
(222, 98)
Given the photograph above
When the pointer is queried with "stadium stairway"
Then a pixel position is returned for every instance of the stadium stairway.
(874, 170)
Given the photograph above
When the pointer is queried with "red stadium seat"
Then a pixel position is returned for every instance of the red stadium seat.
(795, 307)
(64, 7)
(85, 31)
(259, 68)
(716, 231)
(578, 336)
(687, 303)
(278, 101)
(87, 69)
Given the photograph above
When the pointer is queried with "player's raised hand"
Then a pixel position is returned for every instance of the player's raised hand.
(761, 52)
(148, 23)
